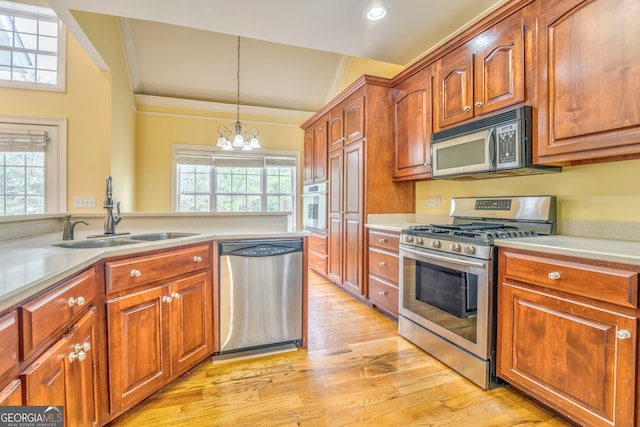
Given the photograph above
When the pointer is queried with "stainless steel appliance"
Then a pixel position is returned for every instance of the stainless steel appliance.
(260, 293)
(314, 206)
(498, 145)
(448, 278)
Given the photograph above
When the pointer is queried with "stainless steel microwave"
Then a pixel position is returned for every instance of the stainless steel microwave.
(490, 147)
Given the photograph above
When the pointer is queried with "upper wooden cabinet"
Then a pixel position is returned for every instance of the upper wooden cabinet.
(412, 126)
(346, 124)
(315, 152)
(485, 74)
(588, 81)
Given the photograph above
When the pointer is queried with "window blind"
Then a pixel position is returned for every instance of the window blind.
(16, 140)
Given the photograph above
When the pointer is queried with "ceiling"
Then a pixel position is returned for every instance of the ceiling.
(294, 53)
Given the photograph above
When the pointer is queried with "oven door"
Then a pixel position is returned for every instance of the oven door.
(314, 211)
(449, 295)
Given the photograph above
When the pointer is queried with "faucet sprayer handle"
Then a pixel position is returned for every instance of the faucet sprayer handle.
(118, 217)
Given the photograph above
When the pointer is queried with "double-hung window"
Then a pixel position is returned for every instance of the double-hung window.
(32, 47)
(207, 180)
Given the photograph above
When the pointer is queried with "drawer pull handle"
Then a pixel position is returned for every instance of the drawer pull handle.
(554, 275)
(623, 334)
(467, 108)
(79, 356)
(197, 258)
(320, 243)
(175, 295)
(166, 299)
(478, 104)
(383, 240)
(135, 273)
(382, 293)
(76, 301)
(382, 264)
(82, 347)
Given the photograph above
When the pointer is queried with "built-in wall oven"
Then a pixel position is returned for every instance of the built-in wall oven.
(448, 279)
(314, 206)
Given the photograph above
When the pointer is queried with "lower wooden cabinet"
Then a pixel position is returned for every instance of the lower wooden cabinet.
(573, 351)
(318, 252)
(65, 375)
(384, 269)
(155, 335)
(11, 394)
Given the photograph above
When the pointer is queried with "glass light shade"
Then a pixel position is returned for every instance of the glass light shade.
(222, 141)
(255, 143)
(238, 141)
(227, 146)
(247, 147)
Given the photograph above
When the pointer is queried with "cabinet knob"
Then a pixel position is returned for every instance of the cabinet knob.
(554, 275)
(166, 299)
(467, 108)
(197, 258)
(382, 264)
(79, 356)
(320, 243)
(76, 301)
(135, 273)
(82, 347)
(479, 104)
(382, 240)
(623, 334)
(175, 295)
(382, 293)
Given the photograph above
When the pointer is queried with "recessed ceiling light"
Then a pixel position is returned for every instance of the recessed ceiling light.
(376, 13)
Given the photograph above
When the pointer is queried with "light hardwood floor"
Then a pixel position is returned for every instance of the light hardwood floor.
(356, 371)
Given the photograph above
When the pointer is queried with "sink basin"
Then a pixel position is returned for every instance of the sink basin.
(161, 236)
(95, 243)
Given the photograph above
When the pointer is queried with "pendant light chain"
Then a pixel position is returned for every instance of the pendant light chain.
(238, 79)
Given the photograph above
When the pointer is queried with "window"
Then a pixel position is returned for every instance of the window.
(32, 166)
(207, 180)
(31, 47)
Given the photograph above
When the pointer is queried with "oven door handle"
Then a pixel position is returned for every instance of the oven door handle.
(422, 257)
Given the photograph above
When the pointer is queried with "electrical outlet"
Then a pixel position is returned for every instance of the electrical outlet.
(84, 202)
(433, 202)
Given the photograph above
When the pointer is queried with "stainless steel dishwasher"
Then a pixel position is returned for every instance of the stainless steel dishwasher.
(260, 293)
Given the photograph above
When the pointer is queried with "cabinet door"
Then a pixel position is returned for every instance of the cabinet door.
(353, 224)
(567, 354)
(11, 395)
(9, 340)
(138, 345)
(454, 77)
(191, 321)
(336, 215)
(44, 380)
(588, 79)
(499, 69)
(336, 129)
(81, 408)
(412, 127)
(308, 156)
(320, 139)
(354, 118)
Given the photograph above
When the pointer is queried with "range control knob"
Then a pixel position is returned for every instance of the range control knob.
(470, 250)
(435, 244)
(408, 239)
(419, 241)
(456, 247)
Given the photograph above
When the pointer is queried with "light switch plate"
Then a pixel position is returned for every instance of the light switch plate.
(84, 202)
(433, 202)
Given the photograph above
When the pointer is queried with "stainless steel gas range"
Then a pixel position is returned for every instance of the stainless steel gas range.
(448, 278)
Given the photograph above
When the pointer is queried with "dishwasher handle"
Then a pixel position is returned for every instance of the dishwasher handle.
(259, 248)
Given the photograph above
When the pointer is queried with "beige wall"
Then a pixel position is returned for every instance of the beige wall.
(86, 104)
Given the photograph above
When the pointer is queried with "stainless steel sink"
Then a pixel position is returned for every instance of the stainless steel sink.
(161, 236)
(95, 243)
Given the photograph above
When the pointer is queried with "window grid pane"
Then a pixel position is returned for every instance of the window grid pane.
(22, 183)
(194, 188)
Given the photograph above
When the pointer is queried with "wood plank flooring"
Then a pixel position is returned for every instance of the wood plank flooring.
(356, 371)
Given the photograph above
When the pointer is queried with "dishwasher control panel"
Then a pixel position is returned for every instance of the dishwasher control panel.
(260, 248)
(263, 250)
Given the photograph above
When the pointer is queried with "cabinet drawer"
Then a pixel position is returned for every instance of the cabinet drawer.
(384, 295)
(318, 243)
(384, 240)
(384, 265)
(8, 343)
(132, 272)
(318, 262)
(611, 285)
(52, 311)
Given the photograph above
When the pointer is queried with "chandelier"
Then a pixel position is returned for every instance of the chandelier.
(238, 137)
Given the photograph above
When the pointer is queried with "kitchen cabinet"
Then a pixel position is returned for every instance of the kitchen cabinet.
(567, 334)
(315, 152)
(485, 74)
(360, 176)
(11, 394)
(318, 252)
(161, 325)
(65, 374)
(10, 387)
(412, 126)
(346, 123)
(384, 248)
(588, 79)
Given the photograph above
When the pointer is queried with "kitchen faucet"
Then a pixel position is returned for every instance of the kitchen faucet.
(111, 221)
(67, 233)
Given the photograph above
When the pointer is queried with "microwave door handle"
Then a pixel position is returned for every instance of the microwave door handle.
(492, 148)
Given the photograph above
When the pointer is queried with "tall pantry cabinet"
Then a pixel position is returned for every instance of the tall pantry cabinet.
(360, 174)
